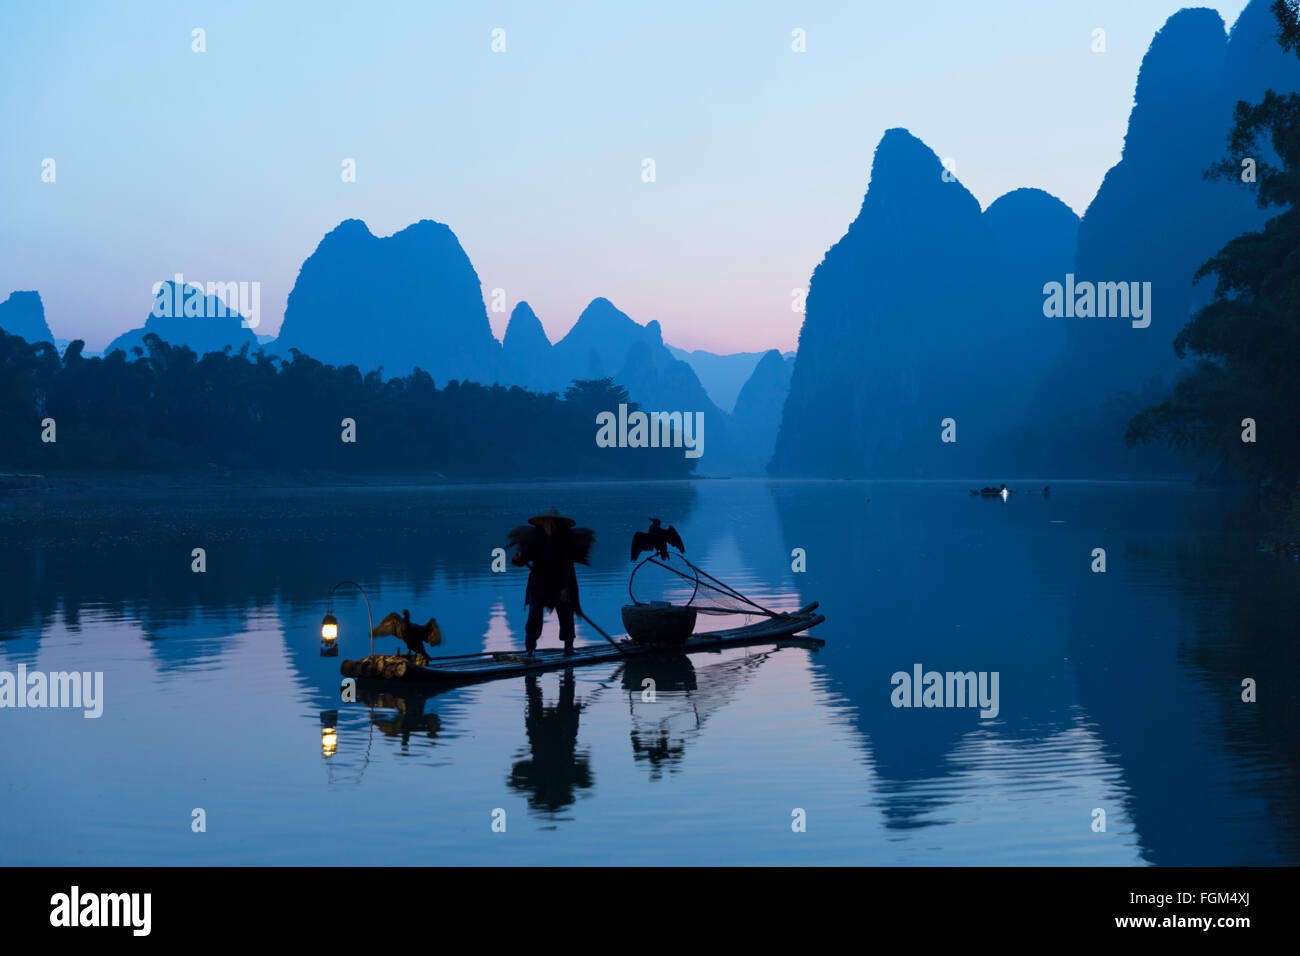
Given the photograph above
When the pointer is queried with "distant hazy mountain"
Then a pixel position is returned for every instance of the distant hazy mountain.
(599, 341)
(607, 343)
(659, 382)
(760, 404)
(215, 327)
(527, 355)
(722, 376)
(597, 346)
(23, 314)
(917, 315)
(410, 299)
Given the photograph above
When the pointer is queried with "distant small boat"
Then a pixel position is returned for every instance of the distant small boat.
(1005, 492)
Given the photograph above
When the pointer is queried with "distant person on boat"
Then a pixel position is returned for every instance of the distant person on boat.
(550, 545)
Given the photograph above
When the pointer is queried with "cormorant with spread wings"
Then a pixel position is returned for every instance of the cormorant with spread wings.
(657, 539)
(414, 636)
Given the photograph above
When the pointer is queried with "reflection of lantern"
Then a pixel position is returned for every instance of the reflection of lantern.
(329, 735)
(329, 632)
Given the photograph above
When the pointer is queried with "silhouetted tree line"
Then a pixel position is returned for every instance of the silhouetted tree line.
(171, 410)
(1246, 342)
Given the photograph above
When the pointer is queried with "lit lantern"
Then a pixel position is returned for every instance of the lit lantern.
(329, 627)
(329, 632)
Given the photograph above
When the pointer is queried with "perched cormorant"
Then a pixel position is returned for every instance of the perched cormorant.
(657, 539)
(414, 636)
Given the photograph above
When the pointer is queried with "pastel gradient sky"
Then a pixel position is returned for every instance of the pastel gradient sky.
(225, 165)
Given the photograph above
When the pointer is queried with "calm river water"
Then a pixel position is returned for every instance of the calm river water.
(1118, 691)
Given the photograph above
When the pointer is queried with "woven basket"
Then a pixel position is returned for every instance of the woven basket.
(658, 622)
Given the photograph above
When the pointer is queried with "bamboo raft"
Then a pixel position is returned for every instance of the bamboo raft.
(472, 668)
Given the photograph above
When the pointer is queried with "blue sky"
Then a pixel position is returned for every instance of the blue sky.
(225, 165)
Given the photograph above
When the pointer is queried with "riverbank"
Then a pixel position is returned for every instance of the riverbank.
(95, 484)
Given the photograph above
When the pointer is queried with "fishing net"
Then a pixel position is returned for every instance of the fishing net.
(688, 586)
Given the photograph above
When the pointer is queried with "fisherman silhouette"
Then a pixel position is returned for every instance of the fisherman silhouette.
(550, 545)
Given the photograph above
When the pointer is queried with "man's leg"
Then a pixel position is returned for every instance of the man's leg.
(533, 626)
(565, 613)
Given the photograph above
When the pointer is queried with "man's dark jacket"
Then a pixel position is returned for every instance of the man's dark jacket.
(552, 557)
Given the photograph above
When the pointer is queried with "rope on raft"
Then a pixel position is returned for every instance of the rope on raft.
(712, 583)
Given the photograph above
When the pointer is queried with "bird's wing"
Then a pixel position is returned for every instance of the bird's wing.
(641, 542)
(388, 625)
(433, 635)
(675, 539)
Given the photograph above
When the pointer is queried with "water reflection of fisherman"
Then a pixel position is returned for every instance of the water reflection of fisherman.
(550, 545)
(555, 770)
